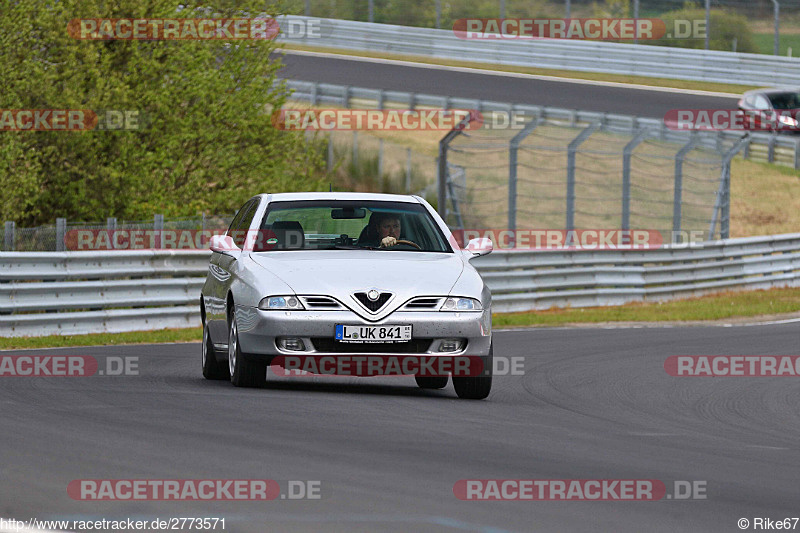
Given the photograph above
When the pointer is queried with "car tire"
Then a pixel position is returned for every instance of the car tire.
(476, 387)
(212, 369)
(431, 382)
(244, 372)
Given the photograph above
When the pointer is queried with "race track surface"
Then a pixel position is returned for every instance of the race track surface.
(592, 404)
(499, 88)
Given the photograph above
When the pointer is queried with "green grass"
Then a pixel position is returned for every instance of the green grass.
(713, 307)
(765, 43)
(728, 305)
(103, 339)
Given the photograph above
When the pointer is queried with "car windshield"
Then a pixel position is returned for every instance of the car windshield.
(347, 224)
(789, 100)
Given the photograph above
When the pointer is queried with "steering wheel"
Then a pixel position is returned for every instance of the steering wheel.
(403, 241)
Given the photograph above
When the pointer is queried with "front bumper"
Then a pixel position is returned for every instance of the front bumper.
(259, 330)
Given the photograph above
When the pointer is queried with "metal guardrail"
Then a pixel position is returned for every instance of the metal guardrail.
(772, 148)
(584, 56)
(69, 293)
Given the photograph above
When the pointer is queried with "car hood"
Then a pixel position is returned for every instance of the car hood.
(340, 273)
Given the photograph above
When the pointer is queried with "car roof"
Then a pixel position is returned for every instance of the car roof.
(773, 90)
(295, 196)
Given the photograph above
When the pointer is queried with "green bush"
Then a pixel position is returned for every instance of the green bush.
(724, 27)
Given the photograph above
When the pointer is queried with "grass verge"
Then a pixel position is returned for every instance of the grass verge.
(726, 305)
(591, 76)
(103, 339)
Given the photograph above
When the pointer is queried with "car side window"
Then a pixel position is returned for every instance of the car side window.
(241, 223)
(761, 103)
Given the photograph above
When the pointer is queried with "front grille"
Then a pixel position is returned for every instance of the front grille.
(328, 344)
(369, 304)
(320, 302)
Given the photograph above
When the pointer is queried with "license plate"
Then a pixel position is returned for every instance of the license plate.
(367, 334)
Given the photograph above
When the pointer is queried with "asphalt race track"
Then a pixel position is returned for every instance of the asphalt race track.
(652, 103)
(592, 404)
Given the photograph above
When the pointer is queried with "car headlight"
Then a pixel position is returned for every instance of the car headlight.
(280, 303)
(461, 304)
(789, 121)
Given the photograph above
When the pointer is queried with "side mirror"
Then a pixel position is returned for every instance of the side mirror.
(480, 246)
(223, 244)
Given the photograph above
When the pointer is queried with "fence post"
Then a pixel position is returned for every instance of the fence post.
(308, 8)
(513, 149)
(636, 16)
(380, 158)
(438, 14)
(330, 151)
(441, 172)
(571, 151)
(371, 11)
(355, 148)
(678, 188)
(627, 152)
(158, 227)
(61, 233)
(723, 201)
(8, 241)
(111, 227)
(408, 170)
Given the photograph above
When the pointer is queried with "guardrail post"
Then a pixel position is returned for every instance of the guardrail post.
(627, 152)
(381, 98)
(678, 188)
(723, 200)
(412, 101)
(438, 14)
(314, 92)
(346, 96)
(8, 240)
(158, 227)
(371, 11)
(571, 150)
(796, 153)
(512, 170)
(355, 148)
(61, 233)
(308, 8)
(441, 173)
(771, 148)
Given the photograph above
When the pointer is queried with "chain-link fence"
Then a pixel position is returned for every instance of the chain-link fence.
(558, 174)
(56, 237)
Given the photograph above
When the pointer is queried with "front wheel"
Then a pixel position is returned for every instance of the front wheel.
(244, 372)
(476, 387)
(212, 369)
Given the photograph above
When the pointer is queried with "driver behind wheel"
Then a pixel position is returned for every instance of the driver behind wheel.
(382, 230)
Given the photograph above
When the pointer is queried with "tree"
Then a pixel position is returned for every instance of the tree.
(205, 140)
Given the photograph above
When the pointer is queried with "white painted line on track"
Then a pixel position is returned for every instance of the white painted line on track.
(521, 75)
